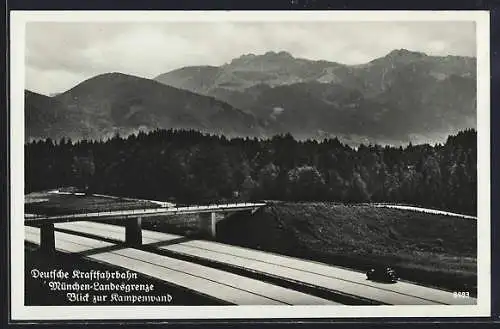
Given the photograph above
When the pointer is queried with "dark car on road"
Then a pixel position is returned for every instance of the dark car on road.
(382, 274)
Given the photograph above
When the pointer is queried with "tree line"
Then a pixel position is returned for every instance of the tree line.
(187, 166)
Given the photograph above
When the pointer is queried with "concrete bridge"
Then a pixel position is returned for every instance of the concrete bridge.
(209, 216)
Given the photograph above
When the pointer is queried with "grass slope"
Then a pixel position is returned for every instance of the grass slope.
(426, 248)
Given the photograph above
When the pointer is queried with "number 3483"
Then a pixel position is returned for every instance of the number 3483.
(461, 294)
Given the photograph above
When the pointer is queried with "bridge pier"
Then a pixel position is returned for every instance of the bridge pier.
(47, 238)
(133, 231)
(208, 223)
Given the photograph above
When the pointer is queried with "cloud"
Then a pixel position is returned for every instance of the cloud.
(61, 54)
(51, 81)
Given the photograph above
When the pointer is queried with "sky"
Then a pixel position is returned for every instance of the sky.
(59, 55)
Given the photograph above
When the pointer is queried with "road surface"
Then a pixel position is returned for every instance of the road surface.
(211, 282)
(426, 210)
(288, 268)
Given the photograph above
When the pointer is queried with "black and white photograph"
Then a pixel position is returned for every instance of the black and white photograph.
(250, 164)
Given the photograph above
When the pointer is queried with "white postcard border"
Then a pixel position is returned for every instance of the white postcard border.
(19, 311)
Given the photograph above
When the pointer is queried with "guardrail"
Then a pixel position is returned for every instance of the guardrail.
(149, 210)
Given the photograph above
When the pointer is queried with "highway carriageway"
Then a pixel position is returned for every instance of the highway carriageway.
(215, 284)
(287, 269)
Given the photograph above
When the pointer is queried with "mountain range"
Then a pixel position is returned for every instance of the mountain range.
(116, 103)
(403, 96)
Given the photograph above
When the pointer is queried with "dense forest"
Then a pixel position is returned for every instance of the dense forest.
(187, 166)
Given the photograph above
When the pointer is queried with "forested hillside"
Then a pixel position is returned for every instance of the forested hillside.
(191, 167)
(401, 97)
(114, 102)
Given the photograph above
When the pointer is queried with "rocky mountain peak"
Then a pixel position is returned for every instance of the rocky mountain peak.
(405, 52)
(280, 54)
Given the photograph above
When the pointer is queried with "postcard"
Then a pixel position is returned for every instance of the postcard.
(249, 165)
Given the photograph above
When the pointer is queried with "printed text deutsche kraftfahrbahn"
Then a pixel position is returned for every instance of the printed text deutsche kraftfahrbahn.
(88, 275)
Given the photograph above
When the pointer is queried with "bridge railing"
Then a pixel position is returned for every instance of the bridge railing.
(99, 212)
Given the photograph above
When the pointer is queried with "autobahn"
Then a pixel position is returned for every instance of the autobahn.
(237, 288)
